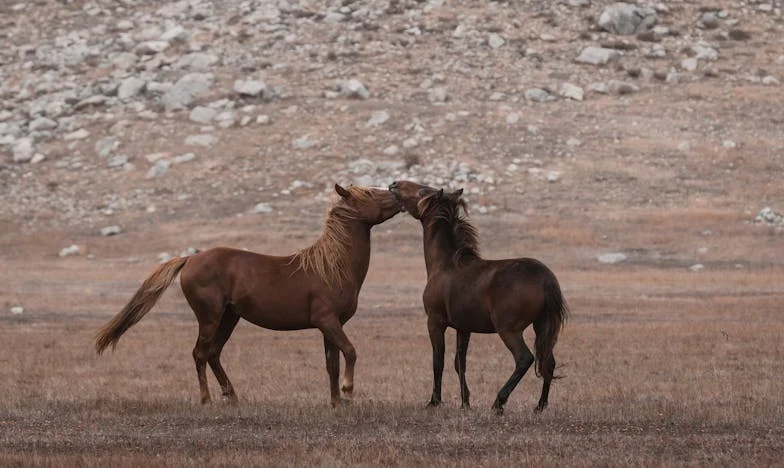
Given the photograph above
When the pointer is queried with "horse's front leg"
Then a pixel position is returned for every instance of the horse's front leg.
(436, 329)
(333, 333)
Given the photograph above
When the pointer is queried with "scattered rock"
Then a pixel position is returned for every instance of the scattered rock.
(261, 208)
(495, 41)
(611, 258)
(689, 64)
(151, 47)
(512, 118)
(437, 94)
(378, 118)
(597, 55)
(186, 90)
(111, 230)
(42, 124)
(184, 158)
(571, 91)
(201, 140)
(353, 88)
(538, 95)
(625, 18)
(253, 88)
(70, 251)
(303, 143)
(80, 134)
(159, 169)
(709, 20)
(130, 87)
(202, 114)
(729, 144)
(621, 87)
(573, 142)
(770, 81)
(770, 217)
(23, 150)
(553, 176)
(106, 146)
(16, 310)
(196, 61)
(697, 267)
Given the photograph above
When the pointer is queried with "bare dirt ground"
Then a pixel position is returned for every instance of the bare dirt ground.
(664, 362)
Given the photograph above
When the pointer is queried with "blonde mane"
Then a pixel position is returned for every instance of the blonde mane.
(329, 257)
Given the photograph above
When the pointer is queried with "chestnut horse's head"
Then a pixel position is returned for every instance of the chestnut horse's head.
(371, 205)
(418, 199)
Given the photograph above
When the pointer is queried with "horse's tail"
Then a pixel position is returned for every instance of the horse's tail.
(547, 326)
(141, 303)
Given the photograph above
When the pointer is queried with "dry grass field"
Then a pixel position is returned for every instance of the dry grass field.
(660, 366)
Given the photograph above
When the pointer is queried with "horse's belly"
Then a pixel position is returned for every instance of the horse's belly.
(274, 318)
(471, 322)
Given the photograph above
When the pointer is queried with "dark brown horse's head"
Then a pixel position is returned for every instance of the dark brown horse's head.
(371, 205)
(418, 199)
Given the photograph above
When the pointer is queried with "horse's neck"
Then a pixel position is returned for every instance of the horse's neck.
(440, 247)
(359, 250)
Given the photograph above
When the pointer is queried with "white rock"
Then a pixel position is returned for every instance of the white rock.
(263, 119)
(80, 134)
(196, 61)
(729, 144)
(159, 169)
(261, 208)
(252, 88)
(573, 142)
(621, 87)
(625, 18)
(184, 158)
(437, 94)
(42, 123)
(697, 267)
(353, 88)
(37, 157)
(391, 150)
(378, 118)
(538, 95)
(130, 87)
(572, 91)
(70, 251)
(111, 230)
(553, 176)
(597, 55)
(770, 81)
(106, 146)
(689, 64)
(151, 47)
(610, 258)
(495, 41)
(201, 140)
(16, 310)
(202, 114)
(512, 118)
(186, 90)
(23, 150)
(302, 143)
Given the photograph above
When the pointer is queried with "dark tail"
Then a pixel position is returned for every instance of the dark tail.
(547, 326)
(141, 303)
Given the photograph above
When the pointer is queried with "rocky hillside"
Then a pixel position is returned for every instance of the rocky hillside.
(120, 111)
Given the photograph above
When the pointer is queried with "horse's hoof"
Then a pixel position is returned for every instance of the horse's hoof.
(498, 408)
(232, 400)
(340, 403)
(348, 391)
(539, 408)
(433, 404)
(465, 406)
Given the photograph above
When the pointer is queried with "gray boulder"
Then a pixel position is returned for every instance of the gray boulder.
(186, 90)
(625, 18)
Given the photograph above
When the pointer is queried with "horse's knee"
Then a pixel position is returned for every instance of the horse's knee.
(350, 354)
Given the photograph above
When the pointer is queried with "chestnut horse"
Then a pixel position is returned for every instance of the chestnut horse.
(315, 288)
(474, 295)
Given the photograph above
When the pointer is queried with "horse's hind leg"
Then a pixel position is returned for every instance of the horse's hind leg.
(226, 327)
(460, 366)
(209, 312)
(523, 360)
(546, 387)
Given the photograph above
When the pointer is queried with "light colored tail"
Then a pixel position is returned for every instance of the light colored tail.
(141, 303)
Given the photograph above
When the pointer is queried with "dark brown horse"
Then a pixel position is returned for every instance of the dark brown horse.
(473, 295)
(315, 288)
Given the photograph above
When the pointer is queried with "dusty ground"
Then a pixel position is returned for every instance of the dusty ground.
(662, 365)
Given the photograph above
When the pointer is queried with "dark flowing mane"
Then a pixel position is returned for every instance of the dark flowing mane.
(445, 215)
(329, 257)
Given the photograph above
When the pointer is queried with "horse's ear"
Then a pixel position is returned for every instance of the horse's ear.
(341, 191)
(441, 193)
(457, 193)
